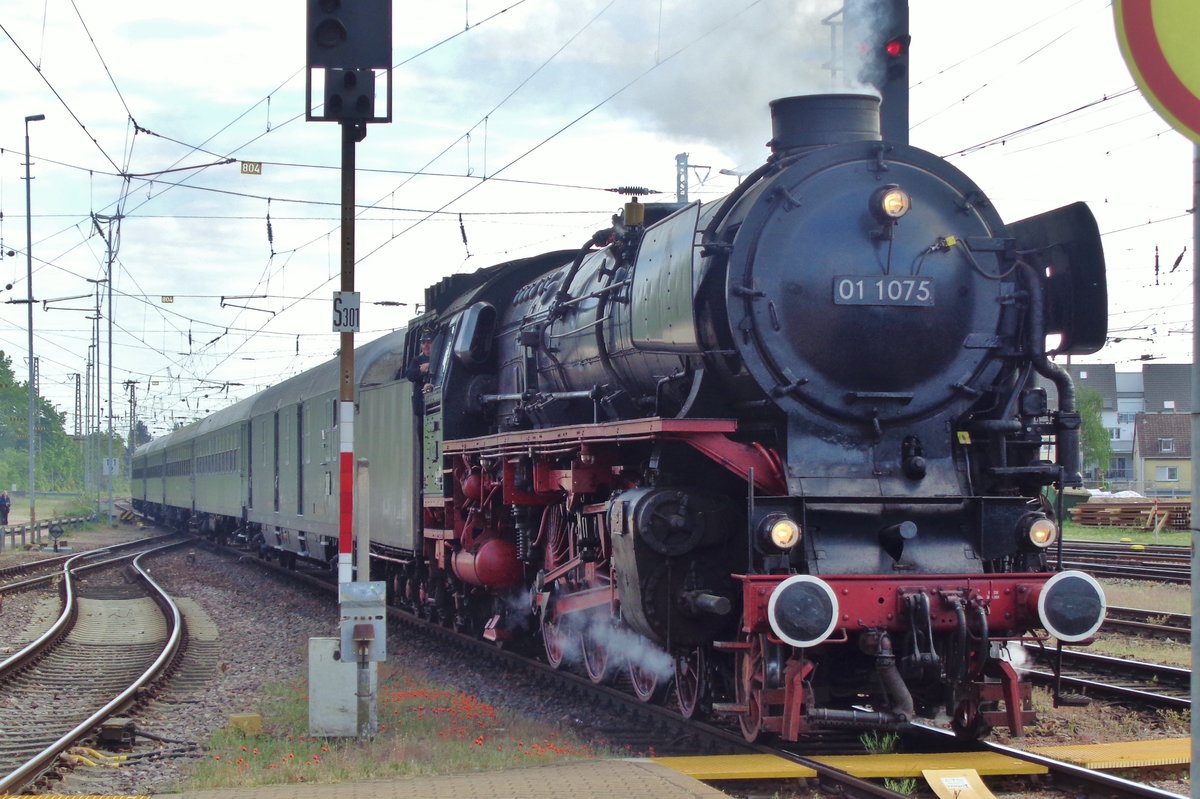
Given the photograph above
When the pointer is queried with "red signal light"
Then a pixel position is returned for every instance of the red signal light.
(894, 48)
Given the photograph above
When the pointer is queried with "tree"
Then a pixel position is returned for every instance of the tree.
(1094, 438)
(13, 404)
(59, 459)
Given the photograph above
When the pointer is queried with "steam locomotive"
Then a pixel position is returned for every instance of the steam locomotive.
(780, 456)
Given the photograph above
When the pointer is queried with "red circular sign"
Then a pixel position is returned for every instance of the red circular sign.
(1158, 41)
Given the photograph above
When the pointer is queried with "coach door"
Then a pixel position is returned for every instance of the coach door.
(249, 450)
(275, 459)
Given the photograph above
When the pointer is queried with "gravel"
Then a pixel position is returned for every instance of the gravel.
(264, 624)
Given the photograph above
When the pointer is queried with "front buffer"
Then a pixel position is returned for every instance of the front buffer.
(808, 644)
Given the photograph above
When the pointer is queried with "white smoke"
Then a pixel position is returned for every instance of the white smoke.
(625, 647)
(733, 58)
(701, 70)
(1014, 652)
(518, 610)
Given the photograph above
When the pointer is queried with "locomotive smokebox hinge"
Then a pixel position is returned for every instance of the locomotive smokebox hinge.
(971, 201)
(789, 388)
(790, 200)
(746, 291)
(747, 327)
(881, 151)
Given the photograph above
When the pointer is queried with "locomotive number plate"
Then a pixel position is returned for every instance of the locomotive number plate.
(886, 290)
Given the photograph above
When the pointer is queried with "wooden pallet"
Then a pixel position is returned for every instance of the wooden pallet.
(1144, 514)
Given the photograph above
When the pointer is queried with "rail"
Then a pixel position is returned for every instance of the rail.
(33, 768)
(1112, 785)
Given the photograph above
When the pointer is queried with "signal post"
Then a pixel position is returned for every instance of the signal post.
(349, 43)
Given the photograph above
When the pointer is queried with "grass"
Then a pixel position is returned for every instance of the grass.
(1162, 597)
(1076, 532)
(1097, 722)
(1147, 649)
(424, 729)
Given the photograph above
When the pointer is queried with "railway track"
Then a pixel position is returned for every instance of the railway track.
(661, 730)
(31, 573)
(110, 640)
(1119, 679)
(1152, 623)
(1093, 783)
(1156, 562)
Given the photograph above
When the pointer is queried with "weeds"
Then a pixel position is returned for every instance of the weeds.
(423, 729)
(879, 743)
(1177, 719)
(906, 786)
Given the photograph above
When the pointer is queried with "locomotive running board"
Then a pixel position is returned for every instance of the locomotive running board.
(709, 436)
(519, 442)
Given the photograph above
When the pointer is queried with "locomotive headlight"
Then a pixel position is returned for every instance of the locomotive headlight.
(890, 202)
(780, 532)
(1041, 532)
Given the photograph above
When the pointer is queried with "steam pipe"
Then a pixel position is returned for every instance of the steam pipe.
(996, 425)
(960, 661)
(564, 293)
(611, 287)
(889, 675)
(710, 231)
(984, 635)
(592, 393)
(853, 718)
(1068, 414)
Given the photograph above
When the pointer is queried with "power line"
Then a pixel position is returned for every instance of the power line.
(1004, 137)
(62, 101)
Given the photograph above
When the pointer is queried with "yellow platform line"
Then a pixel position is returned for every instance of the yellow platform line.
(759, 767)
(988, 764)
(1128, 754)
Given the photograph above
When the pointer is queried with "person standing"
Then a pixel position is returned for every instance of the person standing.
(419, 372)
(5, 507)
(418, 368)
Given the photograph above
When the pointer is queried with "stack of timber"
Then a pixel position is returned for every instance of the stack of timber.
(1144, 514)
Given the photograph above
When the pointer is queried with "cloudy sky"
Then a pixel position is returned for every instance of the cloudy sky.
(512, 120)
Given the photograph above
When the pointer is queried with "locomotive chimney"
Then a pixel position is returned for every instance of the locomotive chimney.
(821, 120)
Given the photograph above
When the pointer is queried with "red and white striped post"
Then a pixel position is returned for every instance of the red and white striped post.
(346, 489)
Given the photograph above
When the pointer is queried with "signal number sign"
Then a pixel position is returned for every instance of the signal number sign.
(345, 311)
